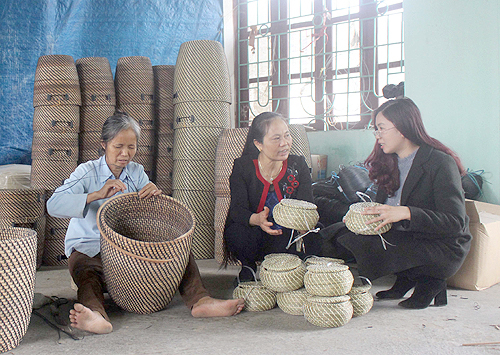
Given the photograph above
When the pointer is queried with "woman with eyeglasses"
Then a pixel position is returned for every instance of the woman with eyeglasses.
(80, 197)
(419, 185)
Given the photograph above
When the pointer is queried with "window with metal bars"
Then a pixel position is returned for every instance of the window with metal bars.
(322, 63)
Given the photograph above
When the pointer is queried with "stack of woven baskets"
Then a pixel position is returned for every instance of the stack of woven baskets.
(321, 289)
(135, 91)
(202, 95)
(17, 283)
(55, 151)
(56, 121)
(164, 111)
(25, 208)
(98, 103)
(229, 147)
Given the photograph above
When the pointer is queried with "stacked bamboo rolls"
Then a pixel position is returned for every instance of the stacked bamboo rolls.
(135, 88)
(201, 99)
(164, 112)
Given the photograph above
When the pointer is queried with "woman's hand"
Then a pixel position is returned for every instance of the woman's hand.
(387, 214)
(260, 219)
(110, 188)
(149, 190)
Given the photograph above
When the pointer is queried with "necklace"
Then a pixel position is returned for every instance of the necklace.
(271, 176)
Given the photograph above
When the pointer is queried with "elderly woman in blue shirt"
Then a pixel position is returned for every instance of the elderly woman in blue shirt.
(79, 198)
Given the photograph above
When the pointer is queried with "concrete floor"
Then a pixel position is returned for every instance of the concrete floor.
(470, 317)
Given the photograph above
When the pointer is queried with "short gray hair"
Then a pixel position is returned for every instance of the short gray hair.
(118, 122)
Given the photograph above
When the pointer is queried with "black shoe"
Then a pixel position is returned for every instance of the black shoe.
(402, 285)
(426, 290)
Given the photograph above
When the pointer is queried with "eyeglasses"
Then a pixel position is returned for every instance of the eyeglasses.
(380, 132)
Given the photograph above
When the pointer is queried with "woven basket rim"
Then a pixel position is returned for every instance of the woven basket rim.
(327, 268)
(327, 300)
(314, 260)
(140, 242)
(298, 204)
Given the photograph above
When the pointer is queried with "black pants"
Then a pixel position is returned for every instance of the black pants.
(251, 244)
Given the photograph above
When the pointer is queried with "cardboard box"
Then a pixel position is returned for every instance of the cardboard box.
(481, 268)
(319, 163)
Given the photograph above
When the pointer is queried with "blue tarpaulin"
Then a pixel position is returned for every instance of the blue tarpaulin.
(86, 28)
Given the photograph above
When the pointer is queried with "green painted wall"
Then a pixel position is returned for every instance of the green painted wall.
(342, 147)
(453, 74)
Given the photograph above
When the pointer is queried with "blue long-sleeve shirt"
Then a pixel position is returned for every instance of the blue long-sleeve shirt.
(70, 201)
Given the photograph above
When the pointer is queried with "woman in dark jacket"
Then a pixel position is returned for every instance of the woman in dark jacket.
(261, 177)
(419, 184)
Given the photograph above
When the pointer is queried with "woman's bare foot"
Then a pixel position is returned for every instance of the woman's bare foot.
(212, 307)
(86, 319)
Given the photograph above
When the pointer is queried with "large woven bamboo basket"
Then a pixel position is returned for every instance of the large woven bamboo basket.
(92, 118)
(164, 167)
(166, 144)
(164, 86)
(361, 300)
(49, 175)
(193, 175)
(201, 73)
(328, 279)
(165, 121)
(300, 145)
(203, 241)
(229, 147)
(144, 114)
(55, 146)
(282, 273)
(201, 203)
(57, 119)
(202, 114)
(296, 214)
(22, 203)
(165, 185)
(355, 221)
(292, 302)
(257, 297)
(96, 81)
(145, 246)
(36, 224)
(196, 143)
(134, 82)
(17, 284)
(328, 311)
(55, 233)
(56, 81)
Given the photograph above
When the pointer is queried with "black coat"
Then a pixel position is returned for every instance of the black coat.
(436, 240)
(247, 189)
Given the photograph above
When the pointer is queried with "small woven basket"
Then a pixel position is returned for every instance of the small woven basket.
(17, 283)
(282, 273)
(361, 300)
(355, 221)
(292, 302)
(257, 297)
(145, 246)
(296, 214)
(328, 311)
(328, 280)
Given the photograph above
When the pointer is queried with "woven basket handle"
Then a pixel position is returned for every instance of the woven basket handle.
(362, 196)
